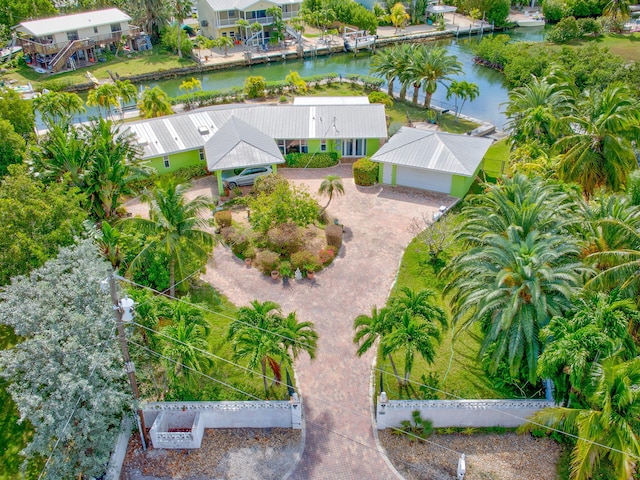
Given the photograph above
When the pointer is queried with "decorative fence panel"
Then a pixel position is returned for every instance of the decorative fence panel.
(458, 413)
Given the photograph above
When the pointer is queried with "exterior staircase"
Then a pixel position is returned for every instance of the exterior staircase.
(60, 60)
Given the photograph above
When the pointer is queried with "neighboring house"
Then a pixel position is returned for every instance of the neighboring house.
(219, 18)
(71, 41)
(191, 138)
(442, 162)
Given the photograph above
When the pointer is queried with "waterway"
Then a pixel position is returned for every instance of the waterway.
(488, 107)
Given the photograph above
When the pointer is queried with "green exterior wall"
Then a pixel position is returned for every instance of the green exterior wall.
(394, 171)
(373, 145)
(380, 172)
(176, 161)
(460, 185)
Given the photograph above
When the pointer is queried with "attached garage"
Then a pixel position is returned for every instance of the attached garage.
(436, 161)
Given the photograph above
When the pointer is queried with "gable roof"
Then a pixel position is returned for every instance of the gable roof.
(78, 21)
(190, 130)
(238, 144)
(438, 151)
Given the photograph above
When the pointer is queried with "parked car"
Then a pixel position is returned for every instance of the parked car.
(247, 177)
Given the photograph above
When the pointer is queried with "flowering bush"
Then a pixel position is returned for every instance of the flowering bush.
(327, 254)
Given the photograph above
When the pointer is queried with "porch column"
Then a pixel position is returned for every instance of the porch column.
(220, 185)
(393, 174)
(274, 168)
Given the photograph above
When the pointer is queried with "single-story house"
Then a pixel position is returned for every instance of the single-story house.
(190, 138)
(442, 162)
(70, 41)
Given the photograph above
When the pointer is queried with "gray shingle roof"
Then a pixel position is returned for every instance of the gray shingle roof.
(443, 152)
(66, 23)
(178, 133)
(238, 144)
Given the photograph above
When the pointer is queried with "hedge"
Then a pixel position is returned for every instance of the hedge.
(311, 160)
(182, 175)
(365, 172)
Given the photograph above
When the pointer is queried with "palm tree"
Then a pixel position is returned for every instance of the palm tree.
(384, 65)
(126, 92)
(105, 96)
(435, 67)
(536, 111)
(114, 164)
(190, 86)
(462, 90)
(174, 227)
(599, 150)
(513, 283)
(617, 8)
(223, 43)
(108, 240)
(58, 106)
(154, 103)
(405, 54)
(181, 9)
(398, 16)
(419, 305)
(184, 346)
(243, 25)
(63, 150)
(331, 184)
(263, 336)
(607, 425)
(598, 327)
(152, 15)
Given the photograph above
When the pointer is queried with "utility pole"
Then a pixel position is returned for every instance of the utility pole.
(128, 364)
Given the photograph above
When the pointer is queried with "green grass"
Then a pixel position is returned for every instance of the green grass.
(625, 45)
(464, 376)
(138, 63)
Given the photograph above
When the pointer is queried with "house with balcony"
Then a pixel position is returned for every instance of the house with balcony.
(219, 18)
(72, 41)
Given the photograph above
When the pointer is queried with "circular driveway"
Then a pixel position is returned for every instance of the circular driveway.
(335, 387)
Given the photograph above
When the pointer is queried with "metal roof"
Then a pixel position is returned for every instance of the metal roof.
(183, 132)
(363, 100)
(442, 152)
(78, 21)
(238, 144)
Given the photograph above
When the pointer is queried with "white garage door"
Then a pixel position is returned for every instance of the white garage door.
(424, 179)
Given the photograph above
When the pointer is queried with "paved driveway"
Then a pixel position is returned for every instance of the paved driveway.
(336, 386)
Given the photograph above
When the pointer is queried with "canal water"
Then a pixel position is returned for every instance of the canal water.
(488, 107)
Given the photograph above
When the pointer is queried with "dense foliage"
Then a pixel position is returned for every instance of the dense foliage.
(365, 172)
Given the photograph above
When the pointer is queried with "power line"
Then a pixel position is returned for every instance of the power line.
(378, 369)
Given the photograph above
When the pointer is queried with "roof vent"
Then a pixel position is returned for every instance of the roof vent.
(203, 130)
(143, 142)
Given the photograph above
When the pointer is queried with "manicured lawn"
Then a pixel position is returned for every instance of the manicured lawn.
(456, 364)
(625, 45)
(137, 63)
(496, 159)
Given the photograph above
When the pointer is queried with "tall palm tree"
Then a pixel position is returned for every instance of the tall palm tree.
(108, 240)
(369, 328)
(174, 227)
(181, 9)
(58, 107)
(404, 55)
(243, 26)
(432, 66)
(607, 425)
(126, 93)
(462, 90)
(152, 15)
(105, 96)
(154, 103)
(536, 111)
(263, 336)
(384, 65)
(419, 305)
(331, 185)
(599, 150)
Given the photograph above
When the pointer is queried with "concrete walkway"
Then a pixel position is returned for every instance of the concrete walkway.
(335, 387)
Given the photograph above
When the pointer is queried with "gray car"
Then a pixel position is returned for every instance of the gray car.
(247, 176)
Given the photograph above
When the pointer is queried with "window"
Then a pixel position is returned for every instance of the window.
(95, 29)
(231, 13)
(73, 35)
(204, 23)
(354, 147)
(116, 27)
(224, 34)
(166, 161)
(201, 152)
(323, 145)
(281, 146)
(304, 147)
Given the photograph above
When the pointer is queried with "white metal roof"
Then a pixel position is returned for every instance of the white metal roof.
(183, 132)
(331, 100)
(238, 144)
(438, 151)
(66, 23)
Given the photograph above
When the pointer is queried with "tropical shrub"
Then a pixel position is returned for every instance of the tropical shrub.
(285, 238)
(564, 31)
(365, 172)
(181, 175)
(254, 87)
(380, 97)
(268, 183)
(287, 203)
(303, 259)
(333, 234)
(327, 254)
(267, 261)
(222, 218)
(312, 160)
(554, 10)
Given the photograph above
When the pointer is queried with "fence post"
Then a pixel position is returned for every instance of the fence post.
(296, 412)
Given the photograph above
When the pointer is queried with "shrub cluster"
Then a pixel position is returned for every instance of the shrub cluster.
(312, 160)
(266, 261)
(381, 97)
(181, 175)
(222, 218)
(365, 172)
(333, 234)
(306, 261)
(571, 29)
(254, 87)
(285, 238)
(327, 254)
